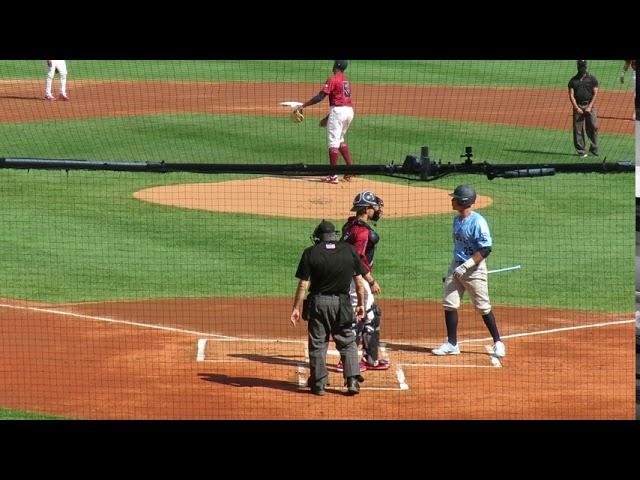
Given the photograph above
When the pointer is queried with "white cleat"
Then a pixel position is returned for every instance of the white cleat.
(499, 349)
(446, 349)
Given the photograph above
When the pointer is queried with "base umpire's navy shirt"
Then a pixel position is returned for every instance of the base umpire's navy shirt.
(330, 266)
(583, 88)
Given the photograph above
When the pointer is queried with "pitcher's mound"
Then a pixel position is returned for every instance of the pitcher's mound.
(302, 197)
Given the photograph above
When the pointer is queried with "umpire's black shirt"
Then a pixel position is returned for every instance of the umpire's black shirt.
(583, 88)
(330, 266)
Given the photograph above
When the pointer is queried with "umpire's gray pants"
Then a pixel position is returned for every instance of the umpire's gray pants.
(582, 122)
(323, 320)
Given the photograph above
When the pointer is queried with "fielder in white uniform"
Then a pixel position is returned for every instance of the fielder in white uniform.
(61, 67)
(468, 271)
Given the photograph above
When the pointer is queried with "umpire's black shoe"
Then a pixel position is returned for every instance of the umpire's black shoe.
(353, 386)
(318, 390)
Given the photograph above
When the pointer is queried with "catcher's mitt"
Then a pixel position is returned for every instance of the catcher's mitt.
(297, 115)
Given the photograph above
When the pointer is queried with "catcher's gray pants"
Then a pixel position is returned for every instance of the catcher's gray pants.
(588, 122)
(323, 320)
(474, 281)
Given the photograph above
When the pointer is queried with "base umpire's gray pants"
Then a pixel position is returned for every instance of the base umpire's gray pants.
(323, 320)
(582, 122)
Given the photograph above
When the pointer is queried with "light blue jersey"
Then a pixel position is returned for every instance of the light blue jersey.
(469, 235)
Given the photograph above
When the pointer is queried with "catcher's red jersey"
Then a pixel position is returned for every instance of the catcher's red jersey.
(339, 90)
(363, 238)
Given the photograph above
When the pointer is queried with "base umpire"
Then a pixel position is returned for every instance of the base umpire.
(327, 269)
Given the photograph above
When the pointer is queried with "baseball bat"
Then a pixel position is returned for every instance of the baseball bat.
(505, 269)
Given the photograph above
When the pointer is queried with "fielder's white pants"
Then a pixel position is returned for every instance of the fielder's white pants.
(61, 66)
(368, 299)
(474, 281)
(337, 125)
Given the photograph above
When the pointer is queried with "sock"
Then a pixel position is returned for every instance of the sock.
(490, 322)
(451, 319)
(333, 156)
(344, 150)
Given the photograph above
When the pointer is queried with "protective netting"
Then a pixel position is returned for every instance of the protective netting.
(149, 295)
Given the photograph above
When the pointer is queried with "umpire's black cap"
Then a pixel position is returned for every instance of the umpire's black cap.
(325, 231)
(340, 65)
(581, 63)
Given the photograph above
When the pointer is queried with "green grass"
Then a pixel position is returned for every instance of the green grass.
(203, 138)
(80, 236)
(516, 73)
(6, 414)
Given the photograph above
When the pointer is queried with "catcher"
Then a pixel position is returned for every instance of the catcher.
(339, 118)
(357, 231)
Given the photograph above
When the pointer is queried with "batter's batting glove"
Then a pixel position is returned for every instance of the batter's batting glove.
(462, 269)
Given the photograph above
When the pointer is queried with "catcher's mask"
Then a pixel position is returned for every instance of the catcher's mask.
(465, 195)
(340, 65)
(324, 232)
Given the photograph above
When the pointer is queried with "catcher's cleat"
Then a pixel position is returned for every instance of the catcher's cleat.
(377, 365)
(348, 178)
(63, 97)
(50, 98)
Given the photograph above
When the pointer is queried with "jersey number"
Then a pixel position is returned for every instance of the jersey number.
(346, 89)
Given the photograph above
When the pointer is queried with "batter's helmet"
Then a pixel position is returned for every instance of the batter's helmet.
(465, 195)
(366, 199)
(340, 65)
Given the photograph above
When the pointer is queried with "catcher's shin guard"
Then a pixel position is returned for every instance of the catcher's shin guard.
(371, 335)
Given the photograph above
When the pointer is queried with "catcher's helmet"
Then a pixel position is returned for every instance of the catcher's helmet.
(465, 195)
(340, 65)
(366, 199)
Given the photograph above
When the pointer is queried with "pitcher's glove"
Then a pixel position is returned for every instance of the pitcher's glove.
(297, 115)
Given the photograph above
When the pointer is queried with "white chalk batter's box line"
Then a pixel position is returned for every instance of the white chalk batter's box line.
(217, 337)
(302, 369)
(202, 342)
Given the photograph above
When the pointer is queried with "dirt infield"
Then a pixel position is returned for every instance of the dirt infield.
(301, 197)
(21, 101)
(150, 360)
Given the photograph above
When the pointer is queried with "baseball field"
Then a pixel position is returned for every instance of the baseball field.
(167, 296)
